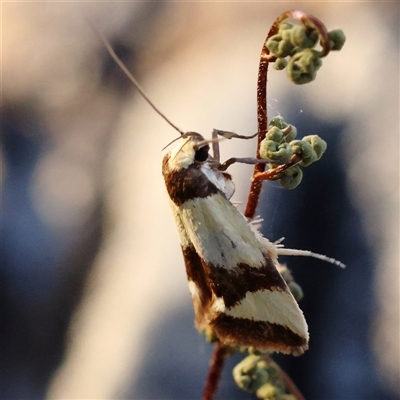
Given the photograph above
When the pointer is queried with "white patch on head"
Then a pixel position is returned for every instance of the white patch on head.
(273, 306)
(182, 155)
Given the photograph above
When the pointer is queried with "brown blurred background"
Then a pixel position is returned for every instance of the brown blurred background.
(94, 298)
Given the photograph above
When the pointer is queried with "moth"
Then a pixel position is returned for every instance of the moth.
(231, 268)
(235, 285)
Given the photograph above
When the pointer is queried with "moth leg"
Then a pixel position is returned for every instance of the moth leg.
(215, 144)
(246, 160)
(226, 135)
(230, 135)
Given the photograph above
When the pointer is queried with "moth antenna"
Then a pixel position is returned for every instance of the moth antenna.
(173, 141)
(203, 142)
(200, 144)
(180, 148)
(130, 76)
(306, 253)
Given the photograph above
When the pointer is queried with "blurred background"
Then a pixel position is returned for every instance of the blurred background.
(94, 297)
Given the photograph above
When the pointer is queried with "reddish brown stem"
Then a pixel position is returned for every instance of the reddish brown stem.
(290, 385)
(262, 116)
(262, 119)
(220, 351)
(275, 173)
(214, 374)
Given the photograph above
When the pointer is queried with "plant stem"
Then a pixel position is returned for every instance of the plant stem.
(262, 115)
(214, 374)
(220, 351)
(262, 120)
(290, 385)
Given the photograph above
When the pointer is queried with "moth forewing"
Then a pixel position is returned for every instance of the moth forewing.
(235, 286)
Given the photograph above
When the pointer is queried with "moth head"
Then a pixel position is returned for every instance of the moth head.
(191, 148)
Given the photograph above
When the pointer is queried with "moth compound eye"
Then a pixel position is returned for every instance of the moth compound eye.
(202, 153)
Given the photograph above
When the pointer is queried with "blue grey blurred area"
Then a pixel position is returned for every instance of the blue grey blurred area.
(94, 299)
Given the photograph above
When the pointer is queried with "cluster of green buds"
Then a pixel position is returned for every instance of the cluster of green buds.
(279, 146)
(294, 287)
(255, 374)
(297, 43)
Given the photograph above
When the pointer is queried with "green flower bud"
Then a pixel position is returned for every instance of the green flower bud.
(305, 151)
(279, 122)
(291, 134)
(274, 133)
(286, 34)
(296, 290)
(248, 375)
(267, 392)
(285, 273)
(337, 39)
(262, 364)
(267, 148)
(303, 66)
(284, 26)
(303, 37)
(280, 63)
(252, 350)
(291, 178)
(270, 150)
(283, 153)
(318, 145)
(280, 45)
